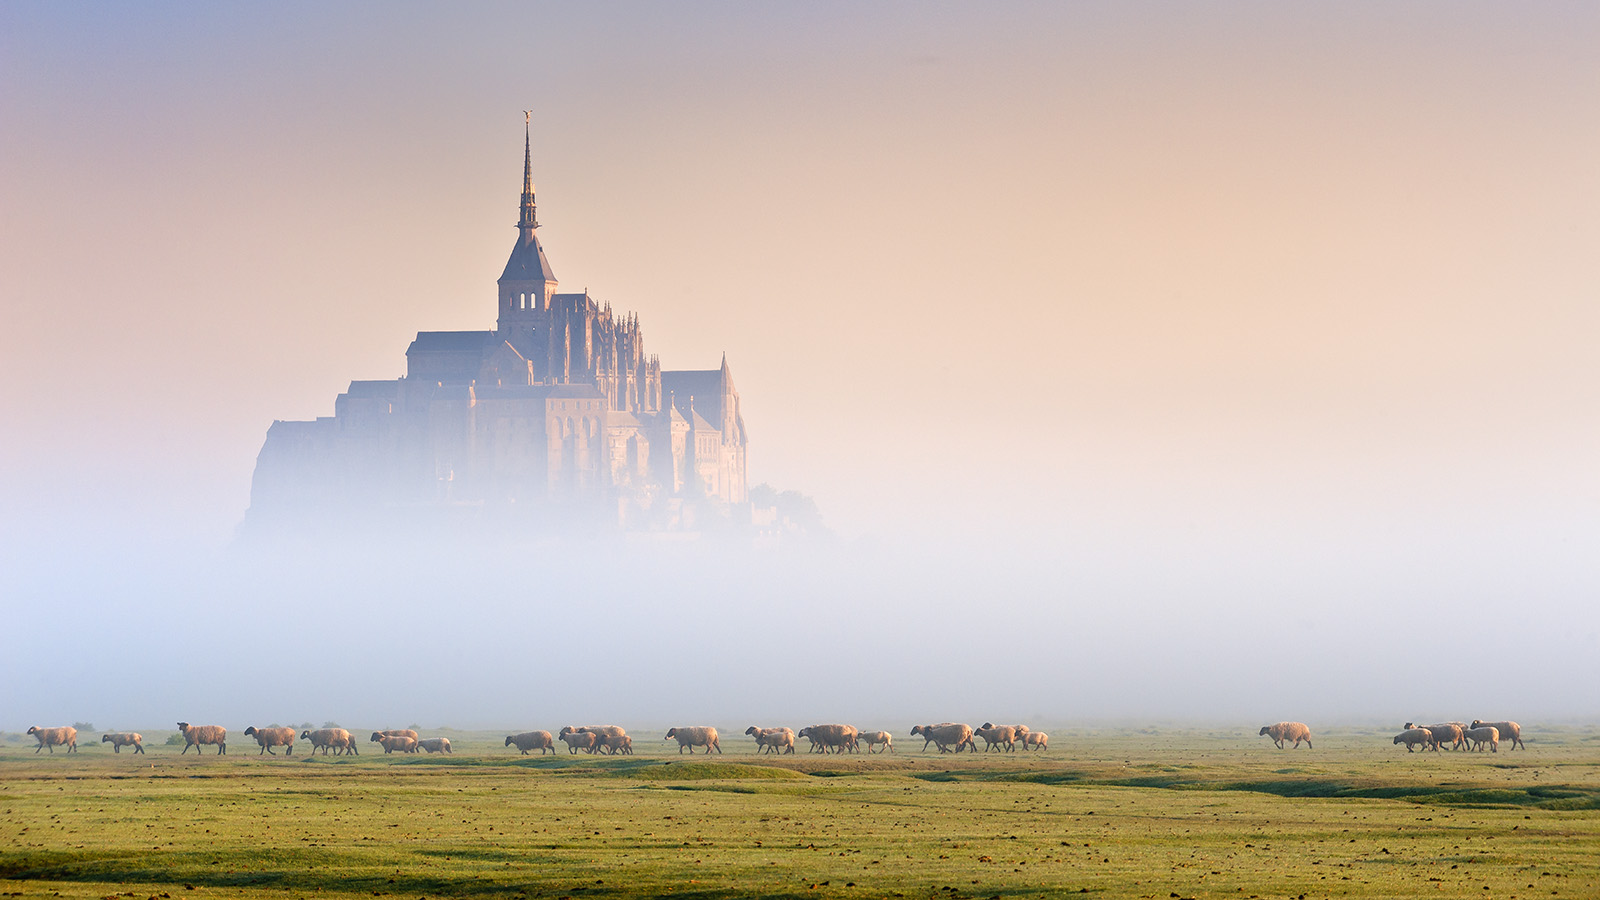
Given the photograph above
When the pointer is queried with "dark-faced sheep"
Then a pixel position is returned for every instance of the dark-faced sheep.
(392, 742)
(945, 735)
(401, 732)
(1411, 737)
(1443, 733)
(1002, 736)
(436, 745)
(1284, 732)
(529, 741)
(579, 740)
(1509, 731)
(197, 736)
(120, 739)
(692, 736)
(1036, 740)
(272, 737)
(64, 736)
(830, 738)
(1484, 734)
(775, 740)
(336, 739)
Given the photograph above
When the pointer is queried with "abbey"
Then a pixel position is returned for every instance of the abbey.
(557, 412)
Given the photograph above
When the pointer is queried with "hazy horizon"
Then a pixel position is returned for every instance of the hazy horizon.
(1148, 361)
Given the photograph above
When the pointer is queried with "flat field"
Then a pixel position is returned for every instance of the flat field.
(1157, 814)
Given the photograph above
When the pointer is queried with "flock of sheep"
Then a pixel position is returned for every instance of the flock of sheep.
(949, 737)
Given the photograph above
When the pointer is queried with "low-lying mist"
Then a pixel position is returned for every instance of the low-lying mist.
(517, 633)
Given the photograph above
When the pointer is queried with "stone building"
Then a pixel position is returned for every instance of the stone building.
(557, 413)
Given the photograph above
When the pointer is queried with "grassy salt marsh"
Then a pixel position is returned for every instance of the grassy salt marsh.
(1114, 814)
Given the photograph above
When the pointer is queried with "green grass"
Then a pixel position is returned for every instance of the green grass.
(1190, 814)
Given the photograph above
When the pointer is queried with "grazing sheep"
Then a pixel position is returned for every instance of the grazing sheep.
(1483, 734)
(392, 742)
(532, 740)
(580, 740)
(120, 739)
(772, 739)
(1036, 740)
(272, 737)
(336, 739)
(436, 745)
(1411, 737)
(65, 736)
(1509, 731)
(692, 736)
(830, 738)
(874, 738)
(1288, 731)
(997, 736)
(946, 735)
(197, 736)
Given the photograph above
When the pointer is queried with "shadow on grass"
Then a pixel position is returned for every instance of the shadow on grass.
(1551, 797)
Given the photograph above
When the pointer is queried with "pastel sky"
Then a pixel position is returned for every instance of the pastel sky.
(1282, 305)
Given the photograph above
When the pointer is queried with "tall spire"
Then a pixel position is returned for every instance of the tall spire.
(528, 221)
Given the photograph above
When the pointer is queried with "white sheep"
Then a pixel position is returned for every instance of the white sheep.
(1483, 734)
(405, 743)
(1443, 733)
(830, 738)
(1509, 731)
(877, 738)
(120, 739)
(436, 745)
(272, 737)
(1004, 736)
(946, 735)
(532, 740)
(1288, 731)
(65, 736)
(692, 736)
(775, 740)
(336, 739)
(579, 740)
(197, 736)
(1036, 740)
(401, 732)
(620, 743)
(1411, 737)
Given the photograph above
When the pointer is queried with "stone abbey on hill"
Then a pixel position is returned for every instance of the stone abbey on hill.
(556, 415)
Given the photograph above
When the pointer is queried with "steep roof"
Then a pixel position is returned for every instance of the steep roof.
(527, 262)
(449, 342)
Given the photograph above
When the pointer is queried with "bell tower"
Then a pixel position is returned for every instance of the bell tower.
(527, 284)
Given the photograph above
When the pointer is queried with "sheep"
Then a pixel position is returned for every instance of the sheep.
(579, 740)
(830, 738)
(532, 740)
(197, 736)
(607, 737)
(65, 736)
(1509, 731)
(945, 735)
(997, 736)
(771, 739)
(120, 739)
(392, 742)
(874, 738)
(401, 732)
(1411, 737)
(1443, 733)
(1288, 731)
(436, 745)
(1036, 740)
(327, 739)
(692, 736)
(272, 737)
(1484, 734)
